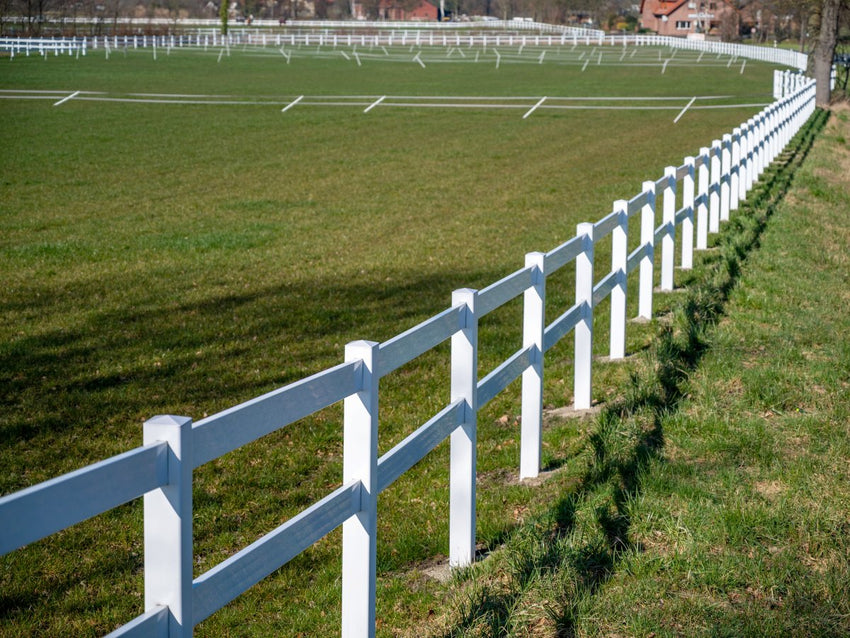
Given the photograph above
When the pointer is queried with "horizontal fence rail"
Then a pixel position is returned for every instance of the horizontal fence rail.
(710, 186)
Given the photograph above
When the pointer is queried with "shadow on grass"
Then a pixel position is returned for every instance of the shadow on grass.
(533, 551)
(70, 394)
(676, 353)
(628, 434)
(231, 347)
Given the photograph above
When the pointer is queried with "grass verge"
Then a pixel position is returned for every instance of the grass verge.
(712, 498)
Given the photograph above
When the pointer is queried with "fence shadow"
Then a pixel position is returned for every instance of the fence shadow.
(120, 359)
(628, 434)
(676, 353)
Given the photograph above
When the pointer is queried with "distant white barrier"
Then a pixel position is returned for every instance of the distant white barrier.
(43, 46)
(713, 184)
(404, 34)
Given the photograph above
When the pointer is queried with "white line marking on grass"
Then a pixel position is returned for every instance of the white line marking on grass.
(542, 55)
(416, 58)
(345, 55)
(374, 104)
(129, 100)
(172, 95)
(743, 66)
(664, 68)
(534, 108)
(65, 99)
(369, 102)
(498, 58)
(291, 104)
(498, 98)
(731, 106)
(56, 94)
(220, 53)
(37, 91)
(679, 116)
(357, 57)
(556, 107)
(586, 62)
(28, 97)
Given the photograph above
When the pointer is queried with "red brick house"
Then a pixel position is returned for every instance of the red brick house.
(685, 17)
(395, 10)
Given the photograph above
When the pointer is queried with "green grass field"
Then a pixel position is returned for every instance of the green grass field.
(180, 258)
(711, 499)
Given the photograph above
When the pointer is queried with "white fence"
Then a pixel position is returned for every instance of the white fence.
(404, 34)
(209, 24)
(712, 184)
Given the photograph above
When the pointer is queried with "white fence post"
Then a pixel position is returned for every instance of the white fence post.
(668, 241)
(776, 126)
(714, 189)
(725, 176)
(464, 385)
(744, 166)
(703, 196)
(168, 527)
(758, 147)
(619, 264)
(748, 158)
(786, 116)
(534, 324)
(735, 187)
(647, 242)
(360, 463)
(688, 222)
(582, 382)
(768, 114)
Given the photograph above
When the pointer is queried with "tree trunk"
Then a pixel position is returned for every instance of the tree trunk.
(825, 50)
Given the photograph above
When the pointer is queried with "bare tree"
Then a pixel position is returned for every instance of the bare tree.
(6, 12)
(825, 49)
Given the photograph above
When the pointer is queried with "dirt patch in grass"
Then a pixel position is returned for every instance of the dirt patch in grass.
(770, 489)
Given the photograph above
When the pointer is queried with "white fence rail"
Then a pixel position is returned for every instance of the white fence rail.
(405, 34)
(713, 184)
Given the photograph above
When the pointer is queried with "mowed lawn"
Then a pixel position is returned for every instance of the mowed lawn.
(181, 258)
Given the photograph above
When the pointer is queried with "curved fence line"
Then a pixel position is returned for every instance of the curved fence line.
(712, 184)
(214, 24)
(404, 34)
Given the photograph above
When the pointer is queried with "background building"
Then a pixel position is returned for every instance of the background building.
(694, 18)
